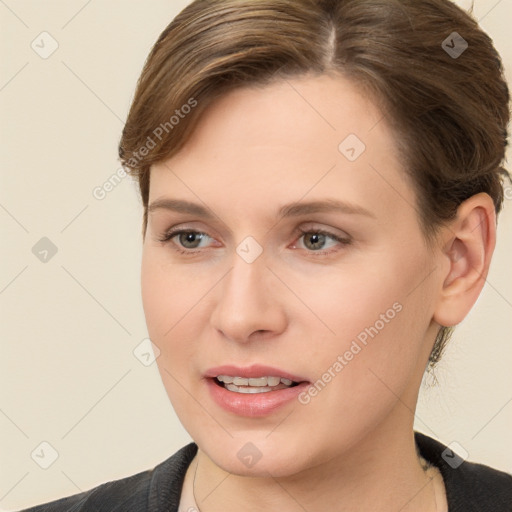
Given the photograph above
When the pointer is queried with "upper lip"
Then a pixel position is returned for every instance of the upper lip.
(253, 371)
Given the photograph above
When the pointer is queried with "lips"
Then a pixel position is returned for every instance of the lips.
(254, 371)
(253, 401)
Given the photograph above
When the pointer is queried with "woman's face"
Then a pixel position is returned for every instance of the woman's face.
(344, 309)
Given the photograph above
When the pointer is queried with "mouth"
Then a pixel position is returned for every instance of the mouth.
(252, 385)
(253, 391)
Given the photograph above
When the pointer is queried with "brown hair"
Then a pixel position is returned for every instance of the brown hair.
(449, 109)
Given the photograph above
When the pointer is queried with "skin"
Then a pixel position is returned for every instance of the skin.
(296, 307)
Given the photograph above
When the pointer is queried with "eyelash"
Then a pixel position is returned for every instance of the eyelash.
(167, 237)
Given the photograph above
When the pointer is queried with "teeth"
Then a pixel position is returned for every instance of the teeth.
(261, 381)
(258, 382)
(232, 387)
(273, 381)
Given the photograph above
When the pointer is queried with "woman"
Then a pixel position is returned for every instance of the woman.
(320, 182)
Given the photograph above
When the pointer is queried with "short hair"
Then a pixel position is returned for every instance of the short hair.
(432, 70)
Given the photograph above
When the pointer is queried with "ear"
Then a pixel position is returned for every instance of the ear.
(469, 243)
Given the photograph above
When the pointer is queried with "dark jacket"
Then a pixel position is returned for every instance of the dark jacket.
(469, 487)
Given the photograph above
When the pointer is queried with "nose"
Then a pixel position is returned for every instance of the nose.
(248, 303)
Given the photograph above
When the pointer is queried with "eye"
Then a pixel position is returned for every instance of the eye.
(316, 240)
(186, 239)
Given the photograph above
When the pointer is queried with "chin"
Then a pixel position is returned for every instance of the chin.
(254, 456)
(275, 466)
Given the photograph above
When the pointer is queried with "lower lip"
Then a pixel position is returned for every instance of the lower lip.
(253, 404)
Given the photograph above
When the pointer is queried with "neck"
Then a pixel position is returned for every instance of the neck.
(382, 473)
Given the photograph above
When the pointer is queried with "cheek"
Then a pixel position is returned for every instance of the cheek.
(175, 301)
(164, 301)
(166, 298)
(170, 292)
(374, 315)
(157, 298)
(351, 301)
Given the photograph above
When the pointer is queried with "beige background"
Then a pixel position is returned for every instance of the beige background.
(69, 326)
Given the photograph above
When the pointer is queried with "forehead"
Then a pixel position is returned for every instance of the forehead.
(312, 135)
(305, 112)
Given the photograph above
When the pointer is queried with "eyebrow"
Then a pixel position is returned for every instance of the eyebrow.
(290, 210)
(324, 206)
(180, 206)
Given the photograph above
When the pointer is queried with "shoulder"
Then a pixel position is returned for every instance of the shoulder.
(469, 486)
(152, 490)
